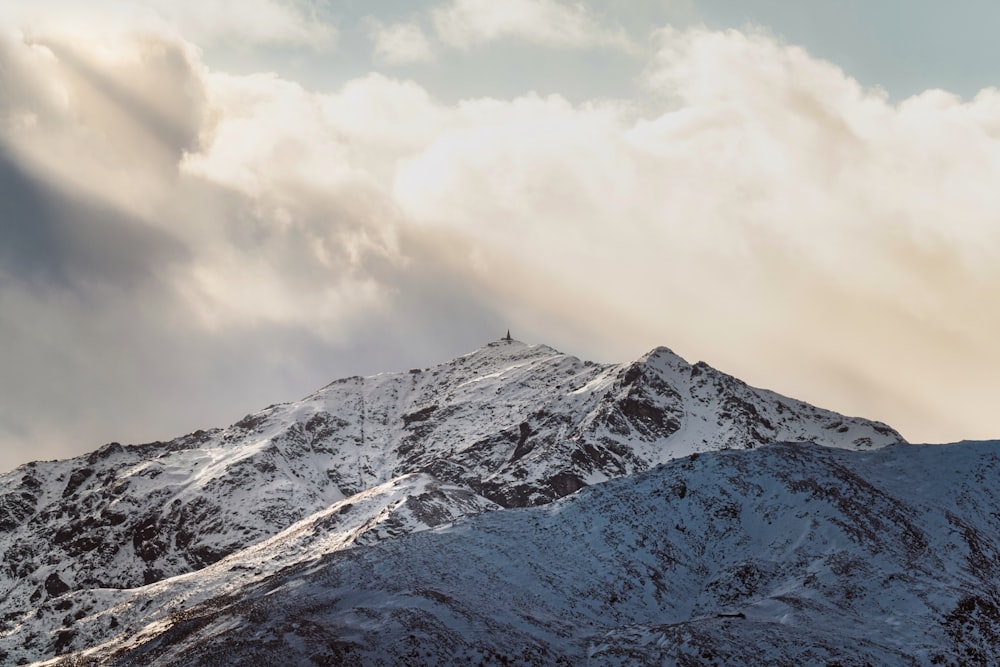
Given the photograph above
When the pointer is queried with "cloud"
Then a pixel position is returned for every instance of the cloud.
(258, 22)
(64, 239)
(465, 24)
(182, 245)
(171, 233)
(109, 116)
(774, 217)
(399, 43)
(254, 21)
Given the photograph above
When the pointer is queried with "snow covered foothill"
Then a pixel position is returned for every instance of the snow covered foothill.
(787, 554)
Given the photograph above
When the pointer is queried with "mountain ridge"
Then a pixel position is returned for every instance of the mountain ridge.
(514, 425)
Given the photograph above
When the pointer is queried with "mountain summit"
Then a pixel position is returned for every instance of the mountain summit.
(362, 460)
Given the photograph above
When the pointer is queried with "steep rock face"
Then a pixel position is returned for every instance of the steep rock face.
(517, 424)
(788, 554)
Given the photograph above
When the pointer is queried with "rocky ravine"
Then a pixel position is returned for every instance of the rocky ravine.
(510, 424)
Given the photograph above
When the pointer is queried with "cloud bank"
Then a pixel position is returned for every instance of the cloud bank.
(181, 245)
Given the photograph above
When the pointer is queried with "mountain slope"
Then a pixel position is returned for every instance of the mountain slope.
(512, 424)
(789, 554)
(405, 505)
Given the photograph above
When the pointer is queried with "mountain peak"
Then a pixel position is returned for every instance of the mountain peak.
(664, 358)
(509, 349)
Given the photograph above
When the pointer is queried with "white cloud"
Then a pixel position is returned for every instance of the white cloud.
(204, 22)
(254, 21)
(465, 24)
(109, 116)
(399, 43)
(777, 218)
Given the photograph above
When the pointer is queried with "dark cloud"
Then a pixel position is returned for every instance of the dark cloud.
(98, 348)
(52, 235)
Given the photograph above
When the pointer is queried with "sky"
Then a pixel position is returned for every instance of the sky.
(212, 206)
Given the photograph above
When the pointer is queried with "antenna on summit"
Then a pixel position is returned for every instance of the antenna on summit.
(507, 337)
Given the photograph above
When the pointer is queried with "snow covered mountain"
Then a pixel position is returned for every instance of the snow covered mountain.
(783, 555)
(510, 425)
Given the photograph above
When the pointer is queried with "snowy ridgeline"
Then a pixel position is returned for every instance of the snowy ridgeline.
(131, 542)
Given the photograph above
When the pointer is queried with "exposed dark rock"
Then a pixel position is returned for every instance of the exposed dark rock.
(252, 422)
(15, 508)
(650, 418)
(419, 415)
(76, 479)
(64, 639)
(146, 539)
(55, 586)
(632, 374)
(151, 576)
(974, 627)
(565, 483)
(522, 443)
(105, 452)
